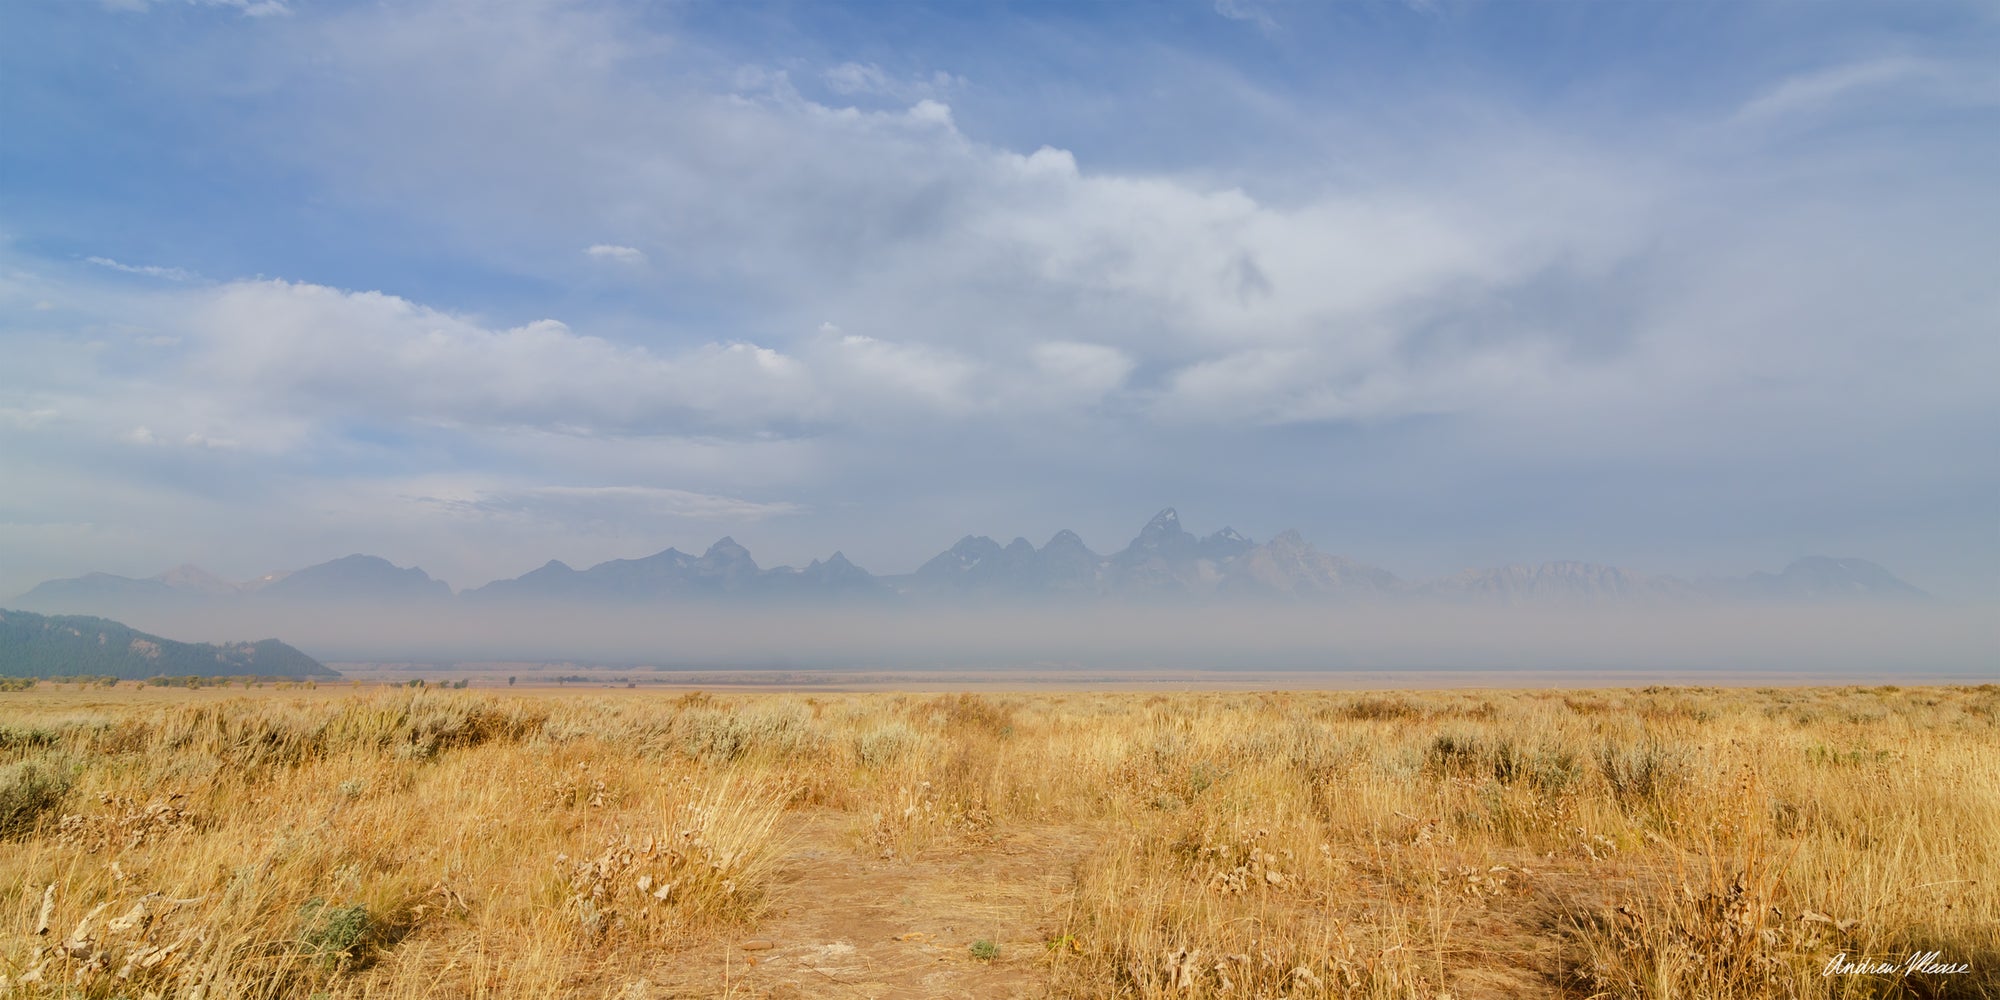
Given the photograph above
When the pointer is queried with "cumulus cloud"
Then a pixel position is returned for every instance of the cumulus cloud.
(1406, 290)
(308, 349)
(273, 354)
(933, 377)
(960, 270)
(948, 257)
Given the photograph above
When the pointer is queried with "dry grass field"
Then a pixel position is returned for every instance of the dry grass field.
(377, 842)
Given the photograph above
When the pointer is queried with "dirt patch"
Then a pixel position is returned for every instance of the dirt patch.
(843, 924)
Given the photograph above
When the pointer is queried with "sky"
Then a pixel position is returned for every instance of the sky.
(1691, 288)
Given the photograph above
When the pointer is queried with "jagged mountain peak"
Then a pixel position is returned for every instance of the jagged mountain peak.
(1815, 578)
(964, 555)
(1065, 539)
(1224, 545)
(1288, 566)
(727, 565)
(976, 545)
(1161, 538)
(724, 546)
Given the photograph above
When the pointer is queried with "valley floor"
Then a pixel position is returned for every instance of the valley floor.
(365, 841)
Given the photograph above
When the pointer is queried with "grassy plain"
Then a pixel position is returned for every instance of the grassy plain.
(375, 842)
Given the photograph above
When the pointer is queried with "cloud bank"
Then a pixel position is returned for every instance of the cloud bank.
(1456, 323)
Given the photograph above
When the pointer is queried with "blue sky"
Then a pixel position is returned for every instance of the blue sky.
(1686, 287)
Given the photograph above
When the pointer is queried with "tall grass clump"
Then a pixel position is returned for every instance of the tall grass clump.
(31, 789)
(705, 862)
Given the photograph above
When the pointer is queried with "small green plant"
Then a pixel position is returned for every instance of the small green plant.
(985, 950)
(331, 934)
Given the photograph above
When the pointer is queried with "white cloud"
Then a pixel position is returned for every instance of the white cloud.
(571, 504)
(857, 78)
(623, 255)
(971, 280)
(1247, 10)
(852, 79)
(873, 369)
(197, 440)
(147, 437)
(272, 354)
(1559, 288)
(326, 353)
(149, 270)
(249, 8)
(1090, 371)
(25, 419)
(950, 256)
(1809, 92)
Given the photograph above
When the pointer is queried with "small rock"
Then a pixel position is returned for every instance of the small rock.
(757, 944)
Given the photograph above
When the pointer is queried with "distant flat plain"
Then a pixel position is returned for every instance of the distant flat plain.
(573, 676)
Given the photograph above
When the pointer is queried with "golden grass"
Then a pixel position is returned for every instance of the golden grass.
(394, 843)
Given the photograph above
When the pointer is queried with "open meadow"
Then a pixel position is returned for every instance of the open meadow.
(367, 841)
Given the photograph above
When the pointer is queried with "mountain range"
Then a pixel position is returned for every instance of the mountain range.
(1164, 563)
(33, 645)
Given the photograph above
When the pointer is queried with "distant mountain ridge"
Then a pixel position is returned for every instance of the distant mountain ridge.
(33, 645)
(1163, 563)
(725, 570)
(357, 578)
(1565, 581)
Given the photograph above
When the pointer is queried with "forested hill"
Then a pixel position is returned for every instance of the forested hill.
(34, 645)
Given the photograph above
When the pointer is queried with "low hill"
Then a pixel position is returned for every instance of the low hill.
(33, 645)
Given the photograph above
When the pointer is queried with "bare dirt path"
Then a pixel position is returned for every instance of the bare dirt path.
(844, 925)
